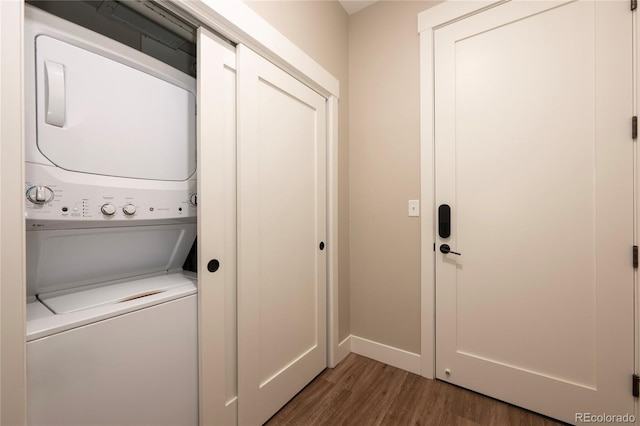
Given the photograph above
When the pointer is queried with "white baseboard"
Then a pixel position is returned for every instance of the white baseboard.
(387, 354)
(344, 349)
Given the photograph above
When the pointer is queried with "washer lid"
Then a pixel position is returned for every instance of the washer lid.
(113, 294)
(96, 115)
(71, 258)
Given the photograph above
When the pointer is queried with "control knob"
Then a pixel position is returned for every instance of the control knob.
(193, 199)
(108, 209)
(129, 209)
(40, 194)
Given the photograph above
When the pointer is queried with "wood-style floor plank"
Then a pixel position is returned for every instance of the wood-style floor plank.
(371, 396)
(361, 391)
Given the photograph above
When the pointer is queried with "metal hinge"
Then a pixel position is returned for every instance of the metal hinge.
(634, 4)
(635, 257)
(636, 386)
(634, 127)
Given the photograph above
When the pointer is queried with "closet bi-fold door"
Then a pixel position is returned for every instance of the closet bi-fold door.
(216, 231)
(281, 237)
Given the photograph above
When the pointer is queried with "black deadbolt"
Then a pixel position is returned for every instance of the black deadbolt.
(321, 245)
(444, 221)
(213, 265)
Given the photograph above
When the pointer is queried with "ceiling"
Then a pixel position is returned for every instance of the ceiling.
(353, 6)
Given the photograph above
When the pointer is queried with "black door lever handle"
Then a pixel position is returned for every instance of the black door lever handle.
(444, 248)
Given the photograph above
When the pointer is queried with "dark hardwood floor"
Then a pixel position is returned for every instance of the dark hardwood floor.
(361, 391)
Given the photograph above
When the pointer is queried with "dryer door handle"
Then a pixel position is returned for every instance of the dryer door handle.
(54, 93)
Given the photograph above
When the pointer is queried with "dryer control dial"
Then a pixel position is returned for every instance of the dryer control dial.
(193, 199)
(40, 194)
(129, 209)
(108, 209)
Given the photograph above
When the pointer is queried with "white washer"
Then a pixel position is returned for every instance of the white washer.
(118, 363)
(111, 216)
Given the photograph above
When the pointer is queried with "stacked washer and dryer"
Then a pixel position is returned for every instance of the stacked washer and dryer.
(110, 216)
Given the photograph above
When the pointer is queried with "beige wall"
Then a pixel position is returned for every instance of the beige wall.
(384, 168)
(320, 29)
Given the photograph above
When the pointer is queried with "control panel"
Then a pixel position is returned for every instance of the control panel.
(52, 193)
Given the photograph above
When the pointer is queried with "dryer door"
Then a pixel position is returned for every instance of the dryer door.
(99, 116)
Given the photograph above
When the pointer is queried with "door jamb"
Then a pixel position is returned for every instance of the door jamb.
(13, 383)
(635, 42)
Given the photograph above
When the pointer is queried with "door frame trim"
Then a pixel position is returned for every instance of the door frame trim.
(13, 378)
(240, 24)
(429, 21)
(635, 42)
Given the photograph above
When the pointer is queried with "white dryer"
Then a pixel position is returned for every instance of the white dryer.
(110, 208)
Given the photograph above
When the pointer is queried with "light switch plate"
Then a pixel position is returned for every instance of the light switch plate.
(414, 207)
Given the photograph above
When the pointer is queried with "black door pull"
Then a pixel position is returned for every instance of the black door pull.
(213, 265)
(444, 221)
(444, 248)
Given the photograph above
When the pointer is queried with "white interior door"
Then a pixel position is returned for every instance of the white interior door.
(216, 231)
(534, 156)
(281, 229)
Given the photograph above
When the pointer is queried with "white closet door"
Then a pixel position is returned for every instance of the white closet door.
(281, 229)
(216, 231)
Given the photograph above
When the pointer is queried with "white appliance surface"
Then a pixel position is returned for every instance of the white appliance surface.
(139, 368)
(111, 216)
(71, 258)
(78, 198)
(65, 310)
(37, 23)
(67, 303)
(96, 115)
